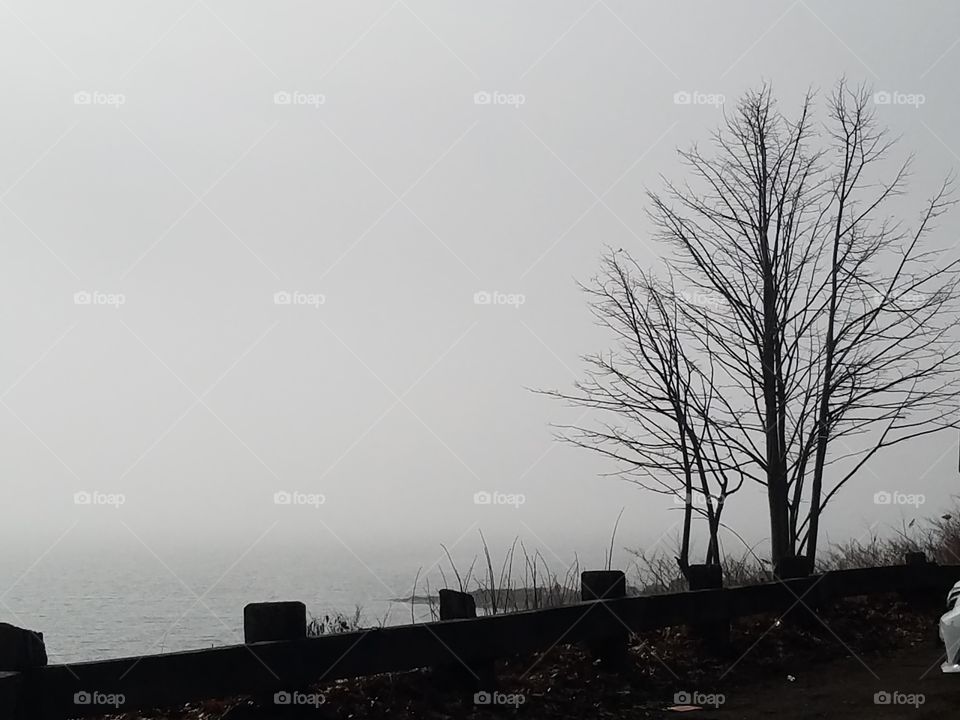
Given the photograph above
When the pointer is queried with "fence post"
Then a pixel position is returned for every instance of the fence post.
(20, 650)
(11, 696)
(806, 605)
(456, 605)
(274, 621)
(476, 674)
(917, 591)
(715, 635)
(610, 650)
(794, 567)
(267, 621)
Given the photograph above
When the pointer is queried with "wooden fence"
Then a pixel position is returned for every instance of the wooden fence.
(467, 644)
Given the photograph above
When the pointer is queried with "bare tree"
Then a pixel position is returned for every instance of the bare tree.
(834, 331)
(671, 442)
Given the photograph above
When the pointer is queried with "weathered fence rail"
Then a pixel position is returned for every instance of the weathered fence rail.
(56, 692)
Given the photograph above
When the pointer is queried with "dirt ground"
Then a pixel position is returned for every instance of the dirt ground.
(845, 689)
(839, 689)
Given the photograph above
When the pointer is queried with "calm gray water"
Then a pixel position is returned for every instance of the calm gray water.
(100, 595)
(95, 605)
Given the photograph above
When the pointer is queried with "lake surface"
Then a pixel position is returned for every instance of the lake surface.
(95, 605)
(107, 591)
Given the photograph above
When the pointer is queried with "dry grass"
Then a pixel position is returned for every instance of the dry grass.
(938, 538)
(338, 622)
(522, 580)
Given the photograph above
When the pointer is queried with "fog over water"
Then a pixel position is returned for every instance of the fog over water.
(278, 279)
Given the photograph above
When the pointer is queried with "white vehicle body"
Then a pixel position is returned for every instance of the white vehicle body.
(950, 631)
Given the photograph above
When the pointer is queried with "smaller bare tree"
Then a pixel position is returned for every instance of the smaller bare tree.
(665, 414)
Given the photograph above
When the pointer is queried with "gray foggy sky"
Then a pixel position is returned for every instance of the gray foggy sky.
(188, 190)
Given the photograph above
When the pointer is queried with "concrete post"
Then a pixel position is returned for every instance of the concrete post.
(19, 650)
(607, 585)
(714, 635)
(274, 621)
(476, 675)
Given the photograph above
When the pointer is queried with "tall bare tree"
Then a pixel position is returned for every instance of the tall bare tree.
(834, 334)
